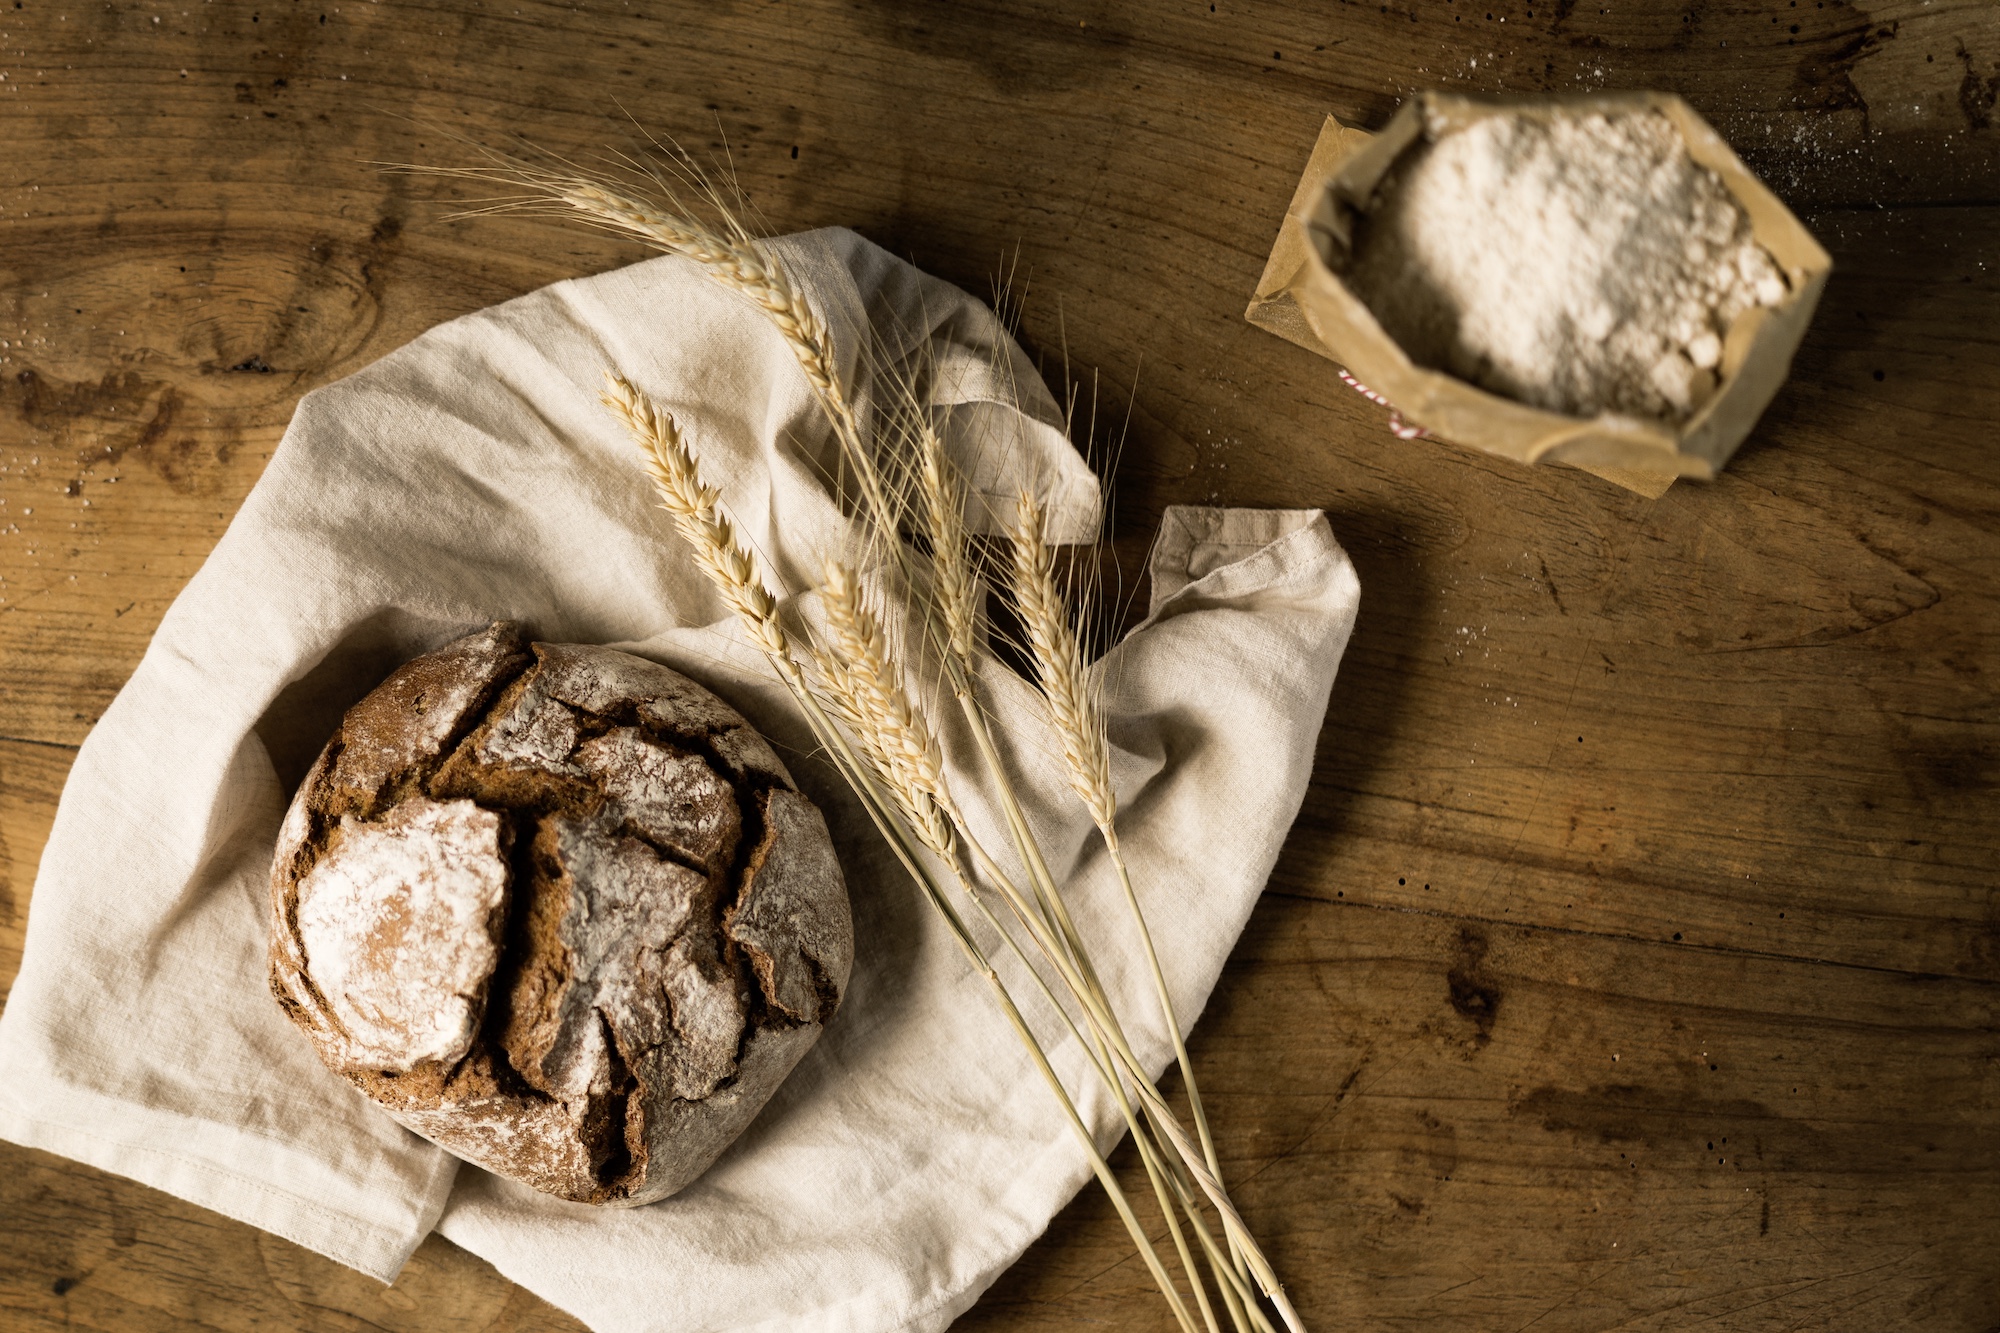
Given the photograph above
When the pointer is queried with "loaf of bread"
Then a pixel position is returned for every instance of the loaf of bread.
(559, 910)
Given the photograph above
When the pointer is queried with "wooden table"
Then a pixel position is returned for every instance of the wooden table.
(1635, 962)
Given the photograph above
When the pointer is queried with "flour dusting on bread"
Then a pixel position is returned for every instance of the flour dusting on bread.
(397, 924)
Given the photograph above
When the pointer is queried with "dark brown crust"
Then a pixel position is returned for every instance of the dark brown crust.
(675, 932)
(395, 734)
(780, 921)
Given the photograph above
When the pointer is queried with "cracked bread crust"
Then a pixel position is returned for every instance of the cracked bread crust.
(559, 910)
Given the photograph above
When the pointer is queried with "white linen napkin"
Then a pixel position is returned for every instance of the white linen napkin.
(473, 475)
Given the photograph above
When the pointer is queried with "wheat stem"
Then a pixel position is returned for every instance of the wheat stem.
(1234, 1285)
(1095, 1003)
(1103, 1024)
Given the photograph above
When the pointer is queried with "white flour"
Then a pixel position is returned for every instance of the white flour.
(1582, 264)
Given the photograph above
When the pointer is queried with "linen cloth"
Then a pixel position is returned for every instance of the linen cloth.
(473, 475)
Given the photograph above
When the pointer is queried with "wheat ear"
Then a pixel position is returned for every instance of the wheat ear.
(941, 509)
(867, 689)
(730, 566)
(1059, 663)
(737, 261)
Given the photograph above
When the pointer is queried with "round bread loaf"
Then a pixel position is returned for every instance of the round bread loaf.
(559, 910)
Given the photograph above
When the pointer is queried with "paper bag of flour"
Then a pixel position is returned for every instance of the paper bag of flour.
(1306, 295)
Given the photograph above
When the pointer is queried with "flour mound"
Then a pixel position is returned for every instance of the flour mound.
(1584, 264)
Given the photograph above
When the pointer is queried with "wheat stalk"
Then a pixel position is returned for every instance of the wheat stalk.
(897, 739)
(939, 508)
(1086, 751)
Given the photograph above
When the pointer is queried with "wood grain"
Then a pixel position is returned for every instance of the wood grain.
(1479, 1126)
(1638, 826)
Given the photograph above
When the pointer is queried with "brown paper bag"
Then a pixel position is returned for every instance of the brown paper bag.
(1301, 298)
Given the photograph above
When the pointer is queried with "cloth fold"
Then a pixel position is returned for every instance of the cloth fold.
(473, 475)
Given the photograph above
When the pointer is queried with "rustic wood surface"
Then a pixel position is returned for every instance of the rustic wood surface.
(1635, 961)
